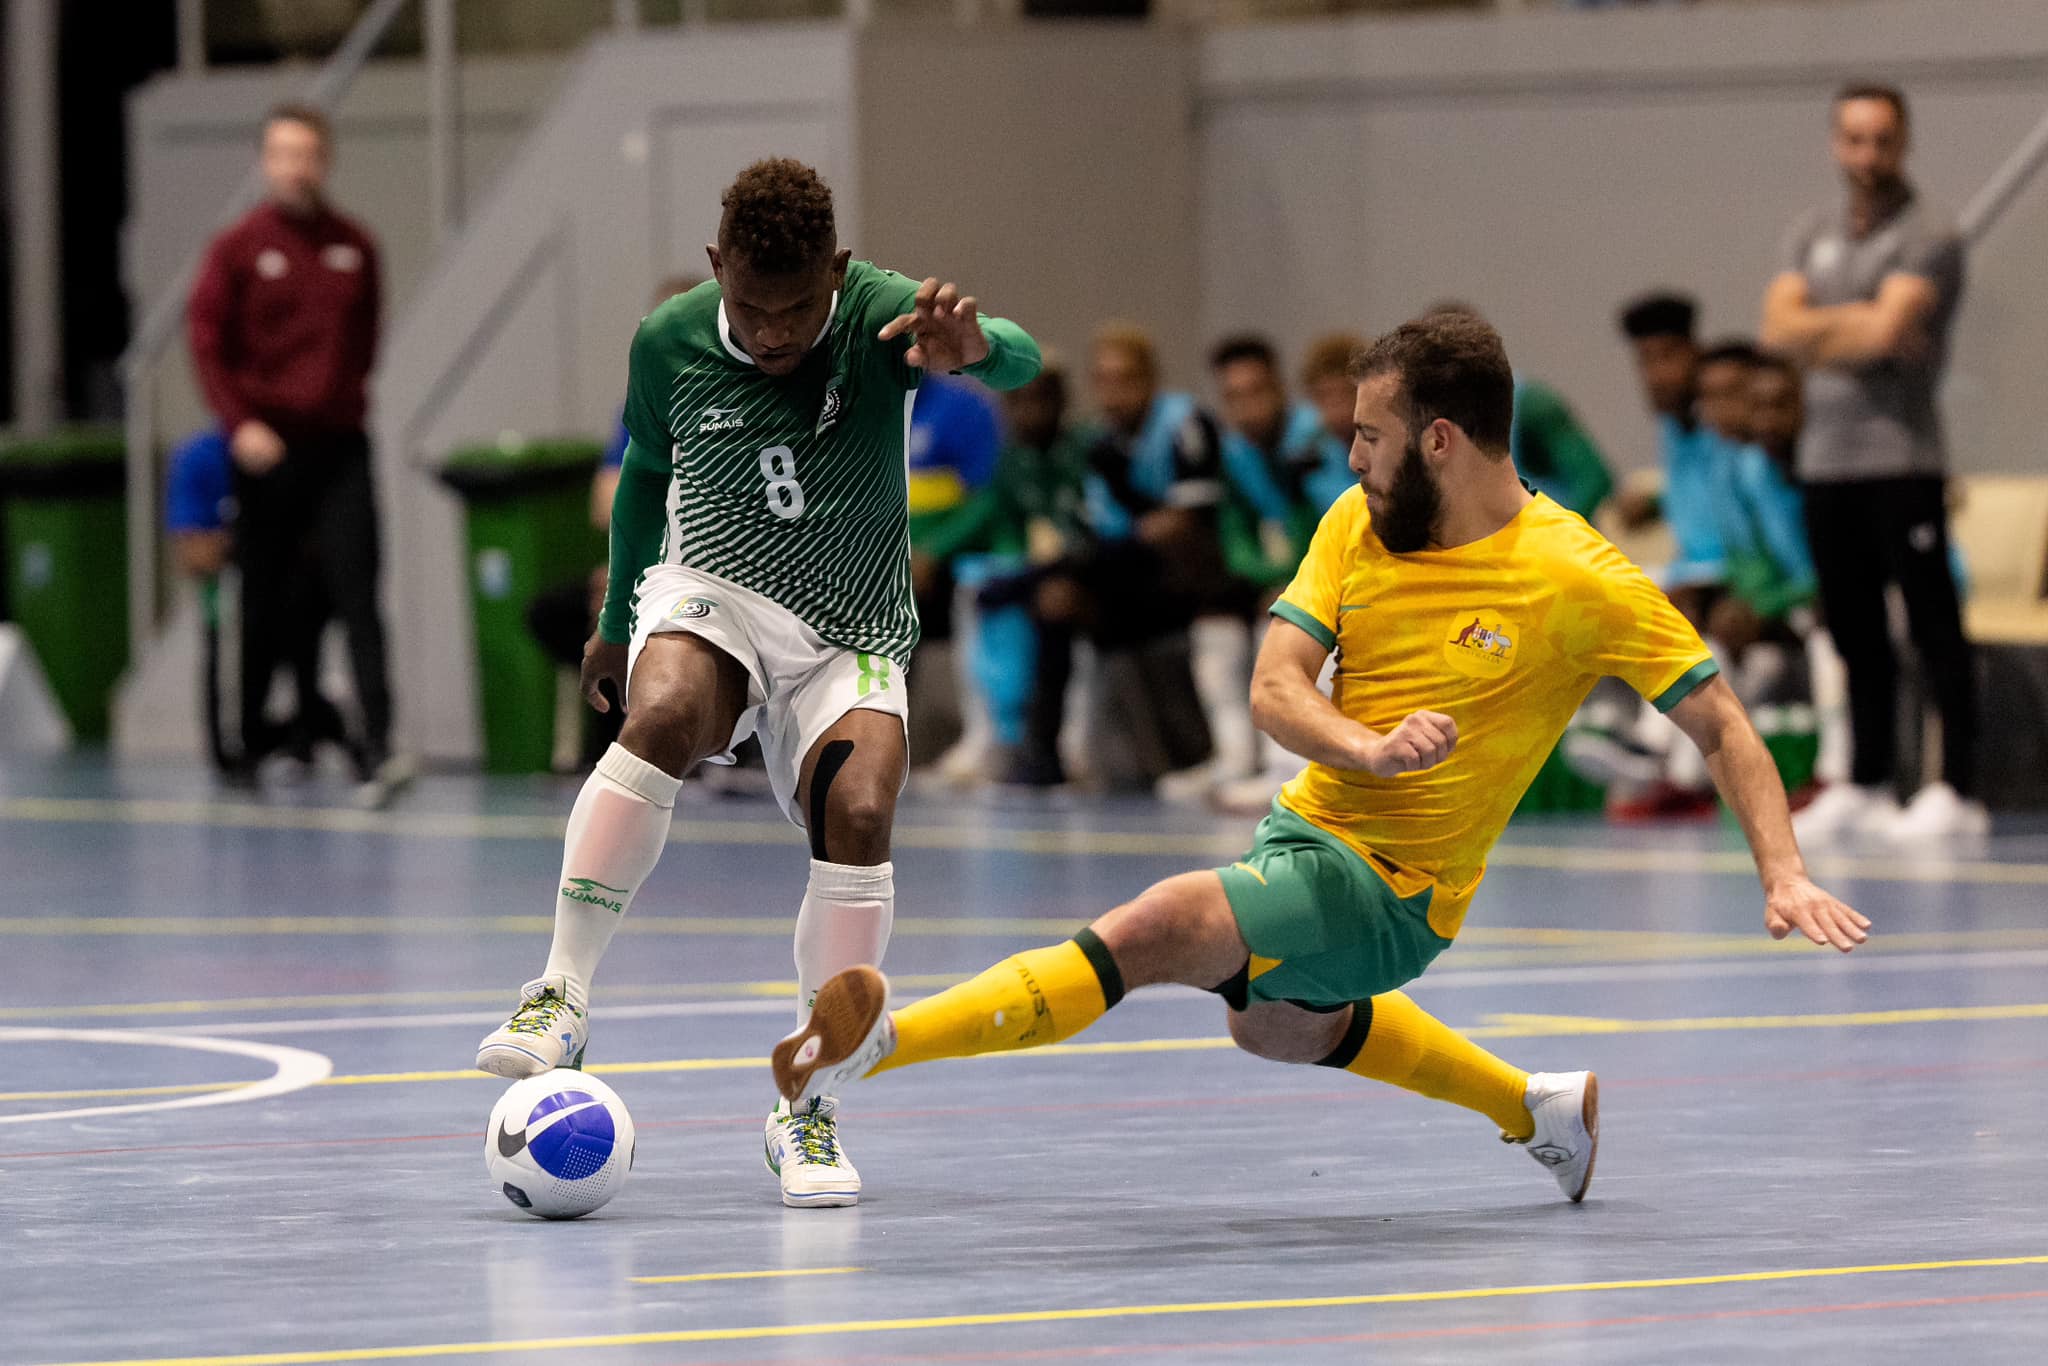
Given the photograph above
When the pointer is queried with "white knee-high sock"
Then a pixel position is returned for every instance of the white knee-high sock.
(844, 923)
(1221, 650)
(616, 833)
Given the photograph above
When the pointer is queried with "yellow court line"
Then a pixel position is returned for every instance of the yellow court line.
(1530, 1025)
(748, 1275)
(1218, 844)
(187, 1089)
(1496, 1027)
(1116, 1311)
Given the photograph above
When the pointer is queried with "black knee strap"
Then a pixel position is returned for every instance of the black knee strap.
(831, 759)
(1347, 1049)
(1106, 971)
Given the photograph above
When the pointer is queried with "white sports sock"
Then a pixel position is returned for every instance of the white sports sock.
(616, 833)
(844, 923)
(1221, 650)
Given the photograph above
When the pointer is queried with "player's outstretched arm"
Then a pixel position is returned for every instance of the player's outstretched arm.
(948, 333)
(1287, 705)
(1748, 781)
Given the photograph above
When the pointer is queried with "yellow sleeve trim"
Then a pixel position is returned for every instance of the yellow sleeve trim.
(1288, 612)
(1683, 688)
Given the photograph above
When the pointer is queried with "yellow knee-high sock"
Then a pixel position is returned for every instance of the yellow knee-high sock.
(1396, 1041)
(1034, 998)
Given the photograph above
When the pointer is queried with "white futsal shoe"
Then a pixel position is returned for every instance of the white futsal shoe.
(547, 1031)
(1846, 810)
(802, 1148)
(1939, 812)
(1567, 1138)
(849, 1032)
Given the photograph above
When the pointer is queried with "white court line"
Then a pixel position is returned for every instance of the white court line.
(1448, 979)
(297, 1068)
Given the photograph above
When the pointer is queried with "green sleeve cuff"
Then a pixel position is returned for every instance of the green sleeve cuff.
(1013, 359)
(1683, 688)
(1325, 637)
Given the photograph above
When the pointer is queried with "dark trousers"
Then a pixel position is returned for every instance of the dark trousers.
(1867, 535)
(306, 539)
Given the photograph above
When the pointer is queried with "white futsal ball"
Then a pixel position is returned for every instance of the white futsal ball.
(560, 1144)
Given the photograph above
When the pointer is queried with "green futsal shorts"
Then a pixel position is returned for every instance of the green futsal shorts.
(1323, 926)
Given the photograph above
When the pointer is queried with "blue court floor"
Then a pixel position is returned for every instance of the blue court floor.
(238, 1122)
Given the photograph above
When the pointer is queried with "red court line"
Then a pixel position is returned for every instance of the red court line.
(1404, 1335)
(1349, 1094)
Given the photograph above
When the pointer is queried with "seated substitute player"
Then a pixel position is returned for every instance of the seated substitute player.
(760, 583)
(1470, 618)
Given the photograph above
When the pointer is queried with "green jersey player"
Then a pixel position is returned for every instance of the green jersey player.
(760, 585)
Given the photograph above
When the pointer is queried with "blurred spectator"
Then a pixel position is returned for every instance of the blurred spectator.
(1263, 523)
(1864, 303)
(1275, 458)
(1265, 517)
(955, 437)
(283, 327)
(1660, 328)
(199, 507)
(1753, 402)
(1030, 515)
(1649, 770)
(1152, 563)
(1323, 457)
(1758, 624)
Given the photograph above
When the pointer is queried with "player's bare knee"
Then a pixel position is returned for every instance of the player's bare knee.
(859, 815)
(1286, 1033)
(1180, 930)
(666, 731)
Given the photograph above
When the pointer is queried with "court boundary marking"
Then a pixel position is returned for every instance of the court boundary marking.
(296, 1069)
(1217, 844)
(1073, 1315)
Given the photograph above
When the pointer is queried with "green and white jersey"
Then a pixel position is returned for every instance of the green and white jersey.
(793, 486)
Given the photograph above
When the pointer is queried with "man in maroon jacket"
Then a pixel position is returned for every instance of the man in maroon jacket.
(283, 324)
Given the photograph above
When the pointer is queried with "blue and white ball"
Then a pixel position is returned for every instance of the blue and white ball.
(560, 1144)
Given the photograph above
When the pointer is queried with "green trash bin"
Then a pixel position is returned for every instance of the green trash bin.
(529, 530)
(63, 522)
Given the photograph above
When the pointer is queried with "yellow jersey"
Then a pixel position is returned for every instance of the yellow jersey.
(1505, 636)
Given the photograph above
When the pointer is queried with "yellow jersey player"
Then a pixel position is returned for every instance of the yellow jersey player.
(1469, 618)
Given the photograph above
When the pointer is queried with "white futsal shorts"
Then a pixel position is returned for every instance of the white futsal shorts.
(798, 685)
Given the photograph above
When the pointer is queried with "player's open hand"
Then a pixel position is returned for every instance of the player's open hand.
(603, 661)
(1423, 740)
(1799, 905)
(945, 329)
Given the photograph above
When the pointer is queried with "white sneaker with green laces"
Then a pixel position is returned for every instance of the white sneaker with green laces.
(1566, 1106)
(547, 1031)
(802, 1147)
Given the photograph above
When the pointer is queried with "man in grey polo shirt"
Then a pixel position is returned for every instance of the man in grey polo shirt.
(1864, 305)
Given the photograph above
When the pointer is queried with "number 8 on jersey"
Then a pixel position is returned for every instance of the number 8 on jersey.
(785, 495)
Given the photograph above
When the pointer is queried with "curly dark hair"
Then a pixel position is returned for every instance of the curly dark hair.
(778, 218)
(1453, 366)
